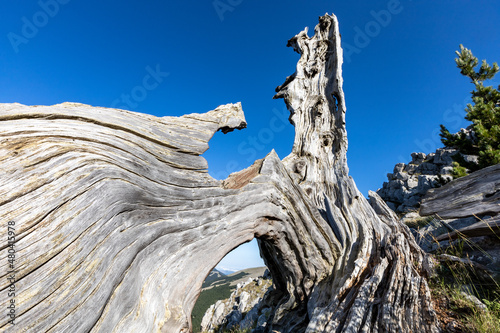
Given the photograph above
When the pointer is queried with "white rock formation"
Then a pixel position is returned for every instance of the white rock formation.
(241, 310)
(406, 186)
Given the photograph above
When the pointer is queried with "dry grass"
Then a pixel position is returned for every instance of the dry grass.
(456, 312)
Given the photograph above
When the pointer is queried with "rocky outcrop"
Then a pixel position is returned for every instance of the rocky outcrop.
(118, 222)
(244, 309)
(407, 185)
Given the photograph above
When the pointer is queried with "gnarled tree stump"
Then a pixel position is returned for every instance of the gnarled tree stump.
(118, 221)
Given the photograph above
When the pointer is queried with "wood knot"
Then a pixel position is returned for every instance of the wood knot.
(300, 166)
(326, 140)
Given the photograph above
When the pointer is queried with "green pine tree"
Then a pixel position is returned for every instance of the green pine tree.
(484, 115)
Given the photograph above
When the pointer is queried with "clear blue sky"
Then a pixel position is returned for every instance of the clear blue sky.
(176, 57)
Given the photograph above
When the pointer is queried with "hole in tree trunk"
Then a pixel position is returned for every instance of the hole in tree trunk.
(231, 290)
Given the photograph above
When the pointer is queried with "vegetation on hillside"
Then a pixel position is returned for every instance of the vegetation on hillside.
(213, 289)
(484, 114)
(206, 299)
(213, 276)
(458, 311)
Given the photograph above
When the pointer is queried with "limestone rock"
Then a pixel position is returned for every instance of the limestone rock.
(214, 317)
(444, 156)
(417, 158)
(480, 305)
(423, 173)
(425, 183)
(251, 318)
(241, 310)
(408, 183)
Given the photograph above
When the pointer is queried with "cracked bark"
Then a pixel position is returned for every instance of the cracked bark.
(118, 221)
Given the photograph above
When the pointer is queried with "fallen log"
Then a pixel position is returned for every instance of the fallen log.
(489, 227)
(475, 194)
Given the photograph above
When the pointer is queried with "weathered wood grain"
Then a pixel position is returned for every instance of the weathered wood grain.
(475, 194)
(119, 222)
(374, 283)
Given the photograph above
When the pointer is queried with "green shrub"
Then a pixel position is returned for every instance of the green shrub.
(458, 170)
(484, 115)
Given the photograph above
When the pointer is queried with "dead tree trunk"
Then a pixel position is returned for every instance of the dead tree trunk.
(117, 221)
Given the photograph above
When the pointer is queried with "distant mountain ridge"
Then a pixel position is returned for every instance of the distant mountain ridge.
(216, 278)
(214, 275)
(225, 271)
